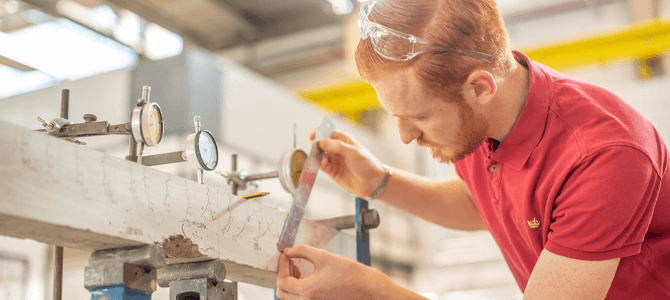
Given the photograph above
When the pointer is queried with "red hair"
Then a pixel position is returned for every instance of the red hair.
(464, 24)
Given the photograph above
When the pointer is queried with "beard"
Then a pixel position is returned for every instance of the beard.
(471, 134)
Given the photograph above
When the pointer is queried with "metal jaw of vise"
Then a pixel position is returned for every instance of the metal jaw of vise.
(124, 274)
(197, 281)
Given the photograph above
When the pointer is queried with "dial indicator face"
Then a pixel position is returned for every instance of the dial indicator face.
(150, 121)
(207, 151)
(297, 165)
(155, 125)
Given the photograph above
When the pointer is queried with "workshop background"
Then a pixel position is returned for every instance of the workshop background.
(254, 68)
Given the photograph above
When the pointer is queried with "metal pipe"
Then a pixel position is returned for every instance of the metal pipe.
(65, 104)
(146, 90)
(58, 274)
(165, 158)
(132, 154)
(233, 164)
(340, 223)
(262, 176)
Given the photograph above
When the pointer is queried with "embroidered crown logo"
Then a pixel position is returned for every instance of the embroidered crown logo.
(534, 224)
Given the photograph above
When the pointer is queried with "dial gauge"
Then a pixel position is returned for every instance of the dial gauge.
(201, 151)
(290, 168)
(147, 124)
(206, 150)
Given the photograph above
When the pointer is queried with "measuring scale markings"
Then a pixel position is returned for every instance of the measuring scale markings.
(307, 178)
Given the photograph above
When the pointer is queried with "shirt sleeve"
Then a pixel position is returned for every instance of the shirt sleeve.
(605, 206)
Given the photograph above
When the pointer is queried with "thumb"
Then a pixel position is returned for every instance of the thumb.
(302, 251)
(337, 147)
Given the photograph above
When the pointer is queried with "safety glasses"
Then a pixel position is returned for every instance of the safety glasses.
(395, 45)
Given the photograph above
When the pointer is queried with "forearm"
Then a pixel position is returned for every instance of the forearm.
(378, 286)
(443, 202)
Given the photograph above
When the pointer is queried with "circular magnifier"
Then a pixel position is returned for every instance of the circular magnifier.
(202, 151)
(290, 168)
(147, 124)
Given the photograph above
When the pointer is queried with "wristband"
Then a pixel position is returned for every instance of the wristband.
(381, 186)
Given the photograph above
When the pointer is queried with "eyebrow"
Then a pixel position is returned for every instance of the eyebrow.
(409, 116)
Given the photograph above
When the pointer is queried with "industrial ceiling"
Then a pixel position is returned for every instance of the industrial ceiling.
(210, 24)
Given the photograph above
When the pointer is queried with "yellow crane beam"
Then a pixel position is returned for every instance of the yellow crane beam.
(637, 41)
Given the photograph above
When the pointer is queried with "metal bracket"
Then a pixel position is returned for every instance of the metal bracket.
(197, 280)
(370, 220)
(134, 267)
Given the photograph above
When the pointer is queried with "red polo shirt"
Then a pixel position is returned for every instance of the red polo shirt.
(583, 175)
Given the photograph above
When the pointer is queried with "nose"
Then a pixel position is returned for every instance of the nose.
(408, 130)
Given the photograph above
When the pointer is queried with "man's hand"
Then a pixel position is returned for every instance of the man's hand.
(348, 163)
(334, 277)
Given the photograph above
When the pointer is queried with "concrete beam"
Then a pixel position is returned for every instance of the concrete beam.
(60, 193)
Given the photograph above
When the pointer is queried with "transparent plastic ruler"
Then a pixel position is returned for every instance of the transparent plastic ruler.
(307, 178)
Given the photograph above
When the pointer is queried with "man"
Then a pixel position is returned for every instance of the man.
(572, 182)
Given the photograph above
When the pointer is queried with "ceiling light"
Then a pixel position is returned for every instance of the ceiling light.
(342, 7)
(104, 16)
(161, 43)
(12, 7)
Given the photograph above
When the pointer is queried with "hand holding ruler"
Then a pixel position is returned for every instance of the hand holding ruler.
(307, 178)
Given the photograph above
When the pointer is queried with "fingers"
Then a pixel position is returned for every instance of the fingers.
(284, 295)
(312, 134)
(285, 280)
(337, 147)
(293, 269)
(306, 252)
(283, 268)
(338, 135)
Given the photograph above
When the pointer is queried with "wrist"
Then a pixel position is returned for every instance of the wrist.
(381, 183)
(374, 284)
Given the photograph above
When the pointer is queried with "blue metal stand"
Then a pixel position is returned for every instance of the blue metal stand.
(362, 236)
(117, 292)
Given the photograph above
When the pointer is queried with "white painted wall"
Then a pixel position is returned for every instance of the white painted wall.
(37, 258)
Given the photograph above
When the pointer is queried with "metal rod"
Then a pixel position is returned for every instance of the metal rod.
(340, 223)
(233, 164)
(201, 174)
(295, 137)
(139, 155)
(196, 121)
(58, 274)
(165, 158)
(132, 154)
(146, 91)
(262, 176)
(65, 104)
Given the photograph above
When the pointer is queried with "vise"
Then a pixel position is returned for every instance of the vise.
(201, 280)
(125, 273)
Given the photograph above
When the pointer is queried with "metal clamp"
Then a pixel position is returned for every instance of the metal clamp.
(370, 220)
(134, 267)
(197, 280)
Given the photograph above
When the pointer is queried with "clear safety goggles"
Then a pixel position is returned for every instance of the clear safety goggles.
(395, 45)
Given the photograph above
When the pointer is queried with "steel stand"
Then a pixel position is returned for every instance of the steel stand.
(362, 233)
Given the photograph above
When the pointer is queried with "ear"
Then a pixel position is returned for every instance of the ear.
(480, 87)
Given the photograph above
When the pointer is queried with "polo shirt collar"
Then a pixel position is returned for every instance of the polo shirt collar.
(527, 132)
